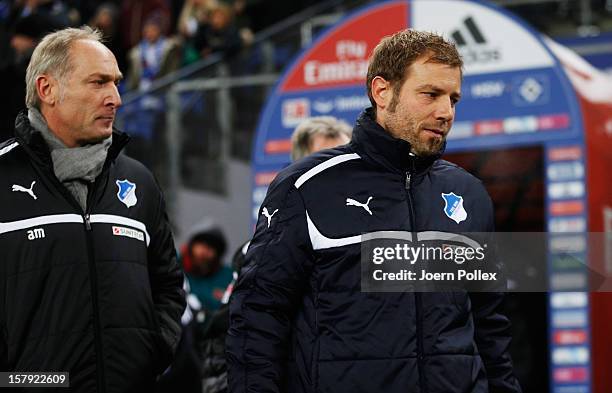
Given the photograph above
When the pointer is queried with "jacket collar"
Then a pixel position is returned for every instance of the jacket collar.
(378, 145)
(34, 141)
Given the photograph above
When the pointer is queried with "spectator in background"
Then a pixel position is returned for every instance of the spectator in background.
(134, 13)
(155, 55)
(219, 33)
(242, 21)
(184, 374)
(85, 9)
(212, 343)
(200, 364)
(5, 9)
(26, 33)
(106, 20)
(202, 261)
(318, 133)
(55, 11)
(193, 14)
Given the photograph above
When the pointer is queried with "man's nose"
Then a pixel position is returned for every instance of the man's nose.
(445, 109)
(114, 98)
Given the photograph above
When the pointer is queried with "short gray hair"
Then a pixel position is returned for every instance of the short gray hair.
(52, 55)
(327, 126)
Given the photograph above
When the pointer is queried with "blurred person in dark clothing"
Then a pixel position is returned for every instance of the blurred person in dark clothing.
(133, 15)
(87, 9)
(55, 11)
(185, 373)
(106, 20)
(219, 33)
(26, 33)
(53, 16)
(201, 258)
(193, 13)
(49, 16)
(211, 344)
(200, 364)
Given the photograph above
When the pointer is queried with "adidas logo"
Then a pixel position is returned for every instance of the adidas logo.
(473, 44)
(472, 29)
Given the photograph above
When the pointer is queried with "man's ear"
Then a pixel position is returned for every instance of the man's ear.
(382, 92)
(47, 89)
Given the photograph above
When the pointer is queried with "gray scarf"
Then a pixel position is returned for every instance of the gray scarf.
(75, 167)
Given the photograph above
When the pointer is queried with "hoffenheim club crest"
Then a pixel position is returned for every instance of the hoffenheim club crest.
(453, 207)
(127, 192)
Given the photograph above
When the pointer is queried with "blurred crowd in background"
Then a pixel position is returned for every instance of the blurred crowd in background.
(150, 38)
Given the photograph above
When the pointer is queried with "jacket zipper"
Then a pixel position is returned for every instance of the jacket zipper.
(417, 295)
(90, 251)
(94, 288)
(92, 269)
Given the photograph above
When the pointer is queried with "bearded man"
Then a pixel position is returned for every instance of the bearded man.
(299, 320)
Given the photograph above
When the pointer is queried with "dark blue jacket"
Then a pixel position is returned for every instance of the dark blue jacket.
(299, 321)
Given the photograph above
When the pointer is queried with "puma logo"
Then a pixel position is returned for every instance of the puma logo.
(268, 215)
(352, 202)
(17, 187)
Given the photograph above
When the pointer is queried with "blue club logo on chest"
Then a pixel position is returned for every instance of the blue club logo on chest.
(453, 207)
(126, 192)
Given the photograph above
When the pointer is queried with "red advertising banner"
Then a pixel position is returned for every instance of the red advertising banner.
(341, 59)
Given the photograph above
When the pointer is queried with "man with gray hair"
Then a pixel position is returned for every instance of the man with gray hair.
(89, 282)
(318, 133)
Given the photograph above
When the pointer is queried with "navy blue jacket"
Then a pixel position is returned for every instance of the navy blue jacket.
(299, 321)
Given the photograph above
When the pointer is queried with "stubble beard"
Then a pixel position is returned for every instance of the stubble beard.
(408, 130)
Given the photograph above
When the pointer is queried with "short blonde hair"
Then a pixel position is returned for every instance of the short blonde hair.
(52, 55)
(327, 126)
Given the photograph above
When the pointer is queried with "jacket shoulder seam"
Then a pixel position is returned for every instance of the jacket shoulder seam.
(323, 166)
(6, 149)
